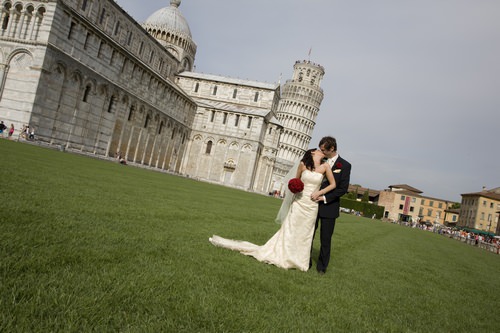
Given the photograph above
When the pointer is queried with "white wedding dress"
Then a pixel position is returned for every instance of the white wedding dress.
(290, 247)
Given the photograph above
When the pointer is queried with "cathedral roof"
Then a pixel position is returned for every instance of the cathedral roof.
(231, 107)
(169, 19)
(229, 80)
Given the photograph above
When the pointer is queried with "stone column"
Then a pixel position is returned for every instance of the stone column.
(4, 70)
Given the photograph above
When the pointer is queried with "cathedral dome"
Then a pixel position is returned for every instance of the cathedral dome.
(169, 19)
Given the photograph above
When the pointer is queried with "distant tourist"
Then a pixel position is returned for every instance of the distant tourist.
(32, 133)
(11, 131)
(2, 128)
(120, 159)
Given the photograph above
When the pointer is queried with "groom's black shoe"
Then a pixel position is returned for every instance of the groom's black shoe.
(321, 272)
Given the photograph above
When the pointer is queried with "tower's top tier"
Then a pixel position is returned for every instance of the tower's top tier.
(307, 72)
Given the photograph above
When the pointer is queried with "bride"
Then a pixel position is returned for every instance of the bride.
(290, 247)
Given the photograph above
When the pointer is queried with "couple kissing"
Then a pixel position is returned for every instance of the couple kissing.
(325, 177)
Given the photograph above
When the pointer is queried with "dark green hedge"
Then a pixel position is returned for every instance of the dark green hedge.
(366, 208)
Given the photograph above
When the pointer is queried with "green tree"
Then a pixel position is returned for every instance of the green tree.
(350, 195)
(366, 196)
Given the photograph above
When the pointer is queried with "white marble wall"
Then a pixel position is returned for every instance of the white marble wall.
(235, 135)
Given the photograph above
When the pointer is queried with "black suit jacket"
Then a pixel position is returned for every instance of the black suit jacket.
(342, 175)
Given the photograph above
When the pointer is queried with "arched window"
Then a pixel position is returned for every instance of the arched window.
(111, 104)
(6, 12)
(256, 98)
(129, 39)
(39, 16)
(196, 87)
(131, 113)
(160, 128)
(117, 28)
(71, 28)
(86, 43)
(86, 93)
(209, 148)
(103, 15)
(124, 66)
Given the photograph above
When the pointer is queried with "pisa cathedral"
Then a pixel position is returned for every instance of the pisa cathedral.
(90, 79)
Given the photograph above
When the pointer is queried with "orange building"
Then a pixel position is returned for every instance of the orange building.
(479, 210)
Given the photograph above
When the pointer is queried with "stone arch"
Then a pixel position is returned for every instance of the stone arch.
(132, 111)
(234, 145)
(246, 148)
(77, 77)
(93, 85)
(7, 5)
(186, 64)
(18, 76)
(103, 89)
(230, 164)
(40, 10)
(18, 7)
(18, 51)
(125, 99)
(173, 51)
(27, 21)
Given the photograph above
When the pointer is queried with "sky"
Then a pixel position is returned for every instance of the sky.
(411, 88)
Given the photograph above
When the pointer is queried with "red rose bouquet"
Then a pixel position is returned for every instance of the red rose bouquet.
(295, 185)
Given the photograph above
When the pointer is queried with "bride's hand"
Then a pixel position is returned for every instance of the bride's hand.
(316, 195)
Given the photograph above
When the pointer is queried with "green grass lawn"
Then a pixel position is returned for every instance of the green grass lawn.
(91, 245)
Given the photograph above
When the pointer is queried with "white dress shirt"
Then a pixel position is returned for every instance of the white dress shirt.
(331, 161)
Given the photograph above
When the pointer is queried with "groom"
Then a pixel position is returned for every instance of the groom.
(329, 204)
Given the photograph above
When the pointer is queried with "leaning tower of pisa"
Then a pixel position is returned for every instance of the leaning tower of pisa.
(298, 108)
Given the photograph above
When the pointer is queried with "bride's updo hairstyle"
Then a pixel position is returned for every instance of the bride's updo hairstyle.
(308, 159)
